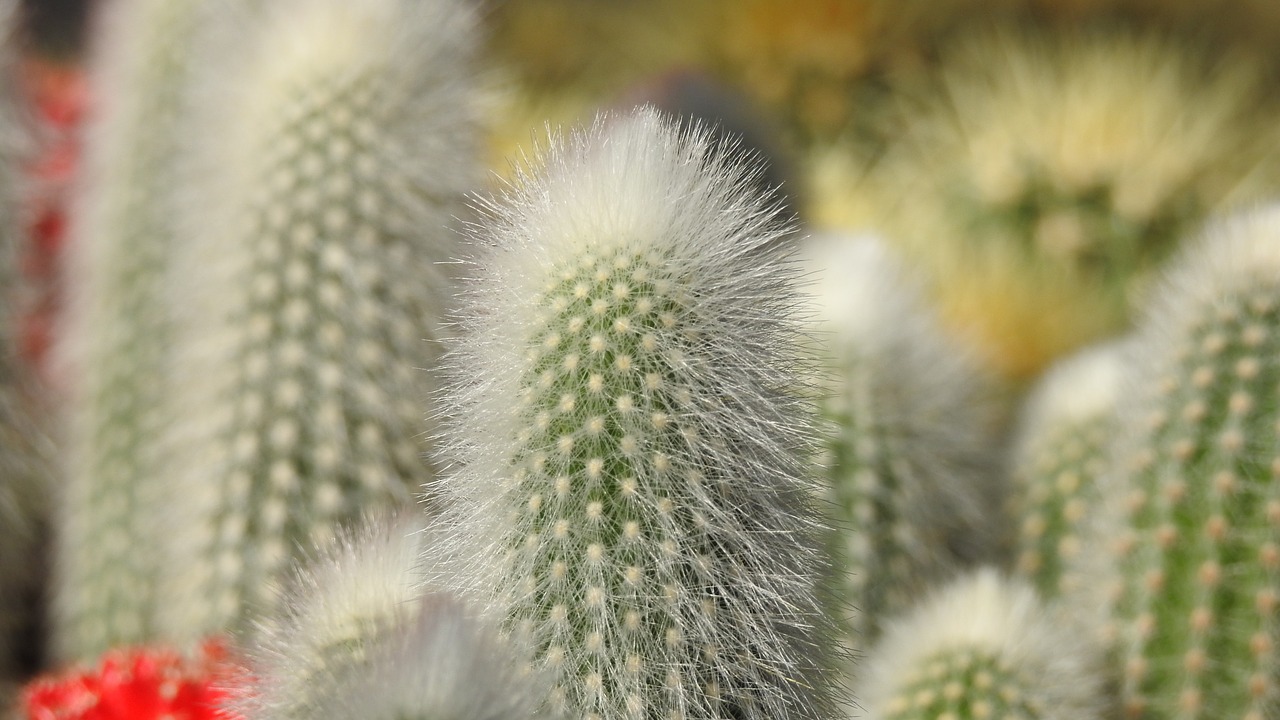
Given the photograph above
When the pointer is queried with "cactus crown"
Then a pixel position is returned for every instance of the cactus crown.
(656, 545)
(982, 647)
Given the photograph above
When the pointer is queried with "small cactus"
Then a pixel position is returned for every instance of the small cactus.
(983, 647)
(1196, 479)
(628, 417)
(1060, 455)
(361, 633)
(910, 455)
(339, 145)
(115, 347)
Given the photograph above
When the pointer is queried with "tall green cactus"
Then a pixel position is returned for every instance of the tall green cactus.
(983, 648)
(1059, 458)
(1198, 618)
(119, 329)
(630, 435)
(361, 633)
(338, 148)
(910, 458)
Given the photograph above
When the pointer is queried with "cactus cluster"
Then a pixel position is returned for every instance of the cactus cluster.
(628, 412)
(339, 146)
(910, 455)
(1196, 479)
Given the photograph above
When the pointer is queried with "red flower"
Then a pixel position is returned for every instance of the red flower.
(139, 684)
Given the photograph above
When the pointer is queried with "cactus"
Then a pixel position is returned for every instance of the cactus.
(910, 458)
(114, 349)
(336, 155)
(1062, 170)
(627, 417)
(983, 647)
(1059, 457)
(1196, 478)
(362, 633)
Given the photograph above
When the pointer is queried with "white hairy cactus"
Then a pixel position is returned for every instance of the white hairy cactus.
(114, 350)
(1059, 458)
(983, 647)
(337, 144)
(362, 633)
(628, 418)
(910, 458)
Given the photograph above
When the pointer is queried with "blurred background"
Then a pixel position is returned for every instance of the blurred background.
(1036, 158)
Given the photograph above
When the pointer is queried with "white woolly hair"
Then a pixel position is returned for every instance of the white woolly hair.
(443, 664)
(364, 586)
(931, 397)
(987, 615)
(398, 150)
(637, 186)
(1078, 389)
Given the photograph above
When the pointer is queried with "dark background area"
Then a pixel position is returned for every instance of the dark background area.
(56, 27)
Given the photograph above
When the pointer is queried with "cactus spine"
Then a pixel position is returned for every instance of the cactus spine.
(1197, 478)
(361, 633)
(909, 459)
(117, 342)
(1061, 453)
(338, 153)
(627, 417)
(983, 647)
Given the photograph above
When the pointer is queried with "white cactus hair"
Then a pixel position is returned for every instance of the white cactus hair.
(986, 615)
(361, 632)
(1083, 386)
(644, 213)
(931, 395)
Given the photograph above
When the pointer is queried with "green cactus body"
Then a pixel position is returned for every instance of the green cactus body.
(631, 437)
(1197, 480)
(909, 458)
(340, 149)
(982, 648)
(1061, 453)
(117, 342)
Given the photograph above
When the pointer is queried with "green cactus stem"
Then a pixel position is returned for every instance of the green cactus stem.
(631, 440)
(1198, 617)
(338, 150)
(910, 458)
(1060, 454)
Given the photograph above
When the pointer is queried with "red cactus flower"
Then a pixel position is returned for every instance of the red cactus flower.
(139, 684)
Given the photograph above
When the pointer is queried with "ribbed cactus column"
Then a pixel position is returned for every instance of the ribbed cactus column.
(910, 458)
(362, 633)
(628, 421)
(983, 648)
(1200, 457)
(1061, 452)
(119, 328)
(338, 149)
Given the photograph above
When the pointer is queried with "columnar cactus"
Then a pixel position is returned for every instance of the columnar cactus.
(1196, 476)
(910, 458)
(629, 422)
(339, 145)
(1060, 454)
(362, 634)
(116, 344)
(983, 647)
